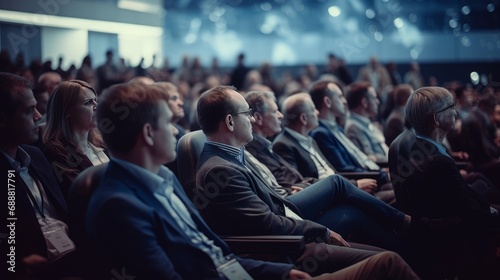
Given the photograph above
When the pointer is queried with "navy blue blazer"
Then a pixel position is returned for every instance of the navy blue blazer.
(135, 231)
(334, 151)
(237, 196)
(29, 238)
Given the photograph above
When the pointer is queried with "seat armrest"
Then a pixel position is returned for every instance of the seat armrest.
(276, 244)
(383, 164)
(462, 164)
(360, 175)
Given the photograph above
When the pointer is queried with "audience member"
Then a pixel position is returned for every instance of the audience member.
(363, 105)
(375, 74)
(42, 248)
(413, 76)
(86, 73)
(301, 151)
(244, 200)
(437, 193)
(141, 219)
(176, 106)
(49, 81)
(337, 148)
(107, 73)
(239, 73)
(345, 195)
(395, 123)
(392, 69)
(71, 140)
(479, 134)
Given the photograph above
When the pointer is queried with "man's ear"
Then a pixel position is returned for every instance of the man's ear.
(364, 102)
(147, 134)
(258, 118)
(303, 118)
(327, 102)
(229, 120)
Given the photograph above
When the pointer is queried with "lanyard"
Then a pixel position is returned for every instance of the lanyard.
(40, 209)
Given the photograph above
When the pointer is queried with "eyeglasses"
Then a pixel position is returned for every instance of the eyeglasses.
(249, 113)
(449, 107)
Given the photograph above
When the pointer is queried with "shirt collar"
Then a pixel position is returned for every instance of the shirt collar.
(331, 125)
(439, 146)
(237, 153)
(24, 160)
(303, 140)
(151, 181)
(360, 118)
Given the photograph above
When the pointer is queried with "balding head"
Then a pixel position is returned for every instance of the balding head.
(299, 113)
(49, 81)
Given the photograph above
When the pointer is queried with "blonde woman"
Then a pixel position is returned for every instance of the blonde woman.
(71, 140)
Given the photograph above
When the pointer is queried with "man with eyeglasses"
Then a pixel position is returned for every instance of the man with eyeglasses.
(241, 203)
(459, 222)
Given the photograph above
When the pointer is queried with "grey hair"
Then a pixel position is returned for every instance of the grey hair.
(421, 106)
(257, 100)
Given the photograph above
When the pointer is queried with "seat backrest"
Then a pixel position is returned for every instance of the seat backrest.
(399, 153)
(78, 199)
(189, 149)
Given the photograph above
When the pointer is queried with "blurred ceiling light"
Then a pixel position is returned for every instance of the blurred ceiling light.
(370, 13)
(474, 77)
(334, 11)
(398, 22)
(490, 7)
(80, 23)
(465, 10)
(453, 23)
(465, 41)
(466, 27)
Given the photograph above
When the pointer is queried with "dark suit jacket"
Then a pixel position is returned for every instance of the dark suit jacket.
(289, 149)
(240, 203)
(334, 151)
(28, 235)
(284, 173)
(135, 231)
(436, 189)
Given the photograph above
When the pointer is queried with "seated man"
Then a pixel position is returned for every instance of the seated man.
(143, 222)
(363, 105)
(301, 151)
(237, 196)
(38, 242)
(372, 215)
(437, 193)
(337, 148)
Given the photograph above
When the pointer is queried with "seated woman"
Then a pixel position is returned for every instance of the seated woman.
(71, 140)
(456, 222)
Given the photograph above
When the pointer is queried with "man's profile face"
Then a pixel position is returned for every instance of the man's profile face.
(338, 100)
(176, 105)
(22, 125)
(165, 142)
(271, 119)
(242, 122)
